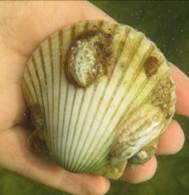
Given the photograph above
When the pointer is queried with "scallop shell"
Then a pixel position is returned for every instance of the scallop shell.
(98, 93)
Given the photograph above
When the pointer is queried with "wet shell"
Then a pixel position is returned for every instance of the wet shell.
(99, 94)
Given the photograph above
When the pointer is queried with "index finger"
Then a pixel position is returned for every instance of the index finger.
(182, 90)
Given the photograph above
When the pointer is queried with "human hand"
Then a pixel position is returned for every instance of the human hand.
(23, 26)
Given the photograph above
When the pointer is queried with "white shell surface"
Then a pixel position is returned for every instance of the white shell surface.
(83, 126)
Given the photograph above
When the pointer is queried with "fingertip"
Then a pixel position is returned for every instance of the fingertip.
(172, 140)
(105, 183)
(87, 184)
(182, 90)
(140, 173)
(95, 185)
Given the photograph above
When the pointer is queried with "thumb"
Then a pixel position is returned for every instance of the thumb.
(25, 24)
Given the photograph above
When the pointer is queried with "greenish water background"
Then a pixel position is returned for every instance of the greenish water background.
(167, 24)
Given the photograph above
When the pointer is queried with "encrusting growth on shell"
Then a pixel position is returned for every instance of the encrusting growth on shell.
(100, 94)
(141, 126)
(163, 97)
(145, 153)
(89, 57)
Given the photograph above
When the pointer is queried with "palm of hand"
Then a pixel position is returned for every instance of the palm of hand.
(18, 37)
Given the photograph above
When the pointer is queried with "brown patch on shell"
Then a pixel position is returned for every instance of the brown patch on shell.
(36, 139)
(37, 142)
(151, 66)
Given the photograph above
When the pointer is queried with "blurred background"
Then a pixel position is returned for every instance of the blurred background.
(167, 24)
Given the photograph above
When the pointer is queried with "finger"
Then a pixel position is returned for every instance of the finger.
(17, 158)
(182, 90)
(140, 173)
(172, 140)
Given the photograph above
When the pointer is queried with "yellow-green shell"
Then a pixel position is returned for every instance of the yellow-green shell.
(98, 93)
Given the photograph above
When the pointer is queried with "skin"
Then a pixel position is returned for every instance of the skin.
(23, 26)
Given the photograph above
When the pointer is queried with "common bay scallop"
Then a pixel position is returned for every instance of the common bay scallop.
(100, 94)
